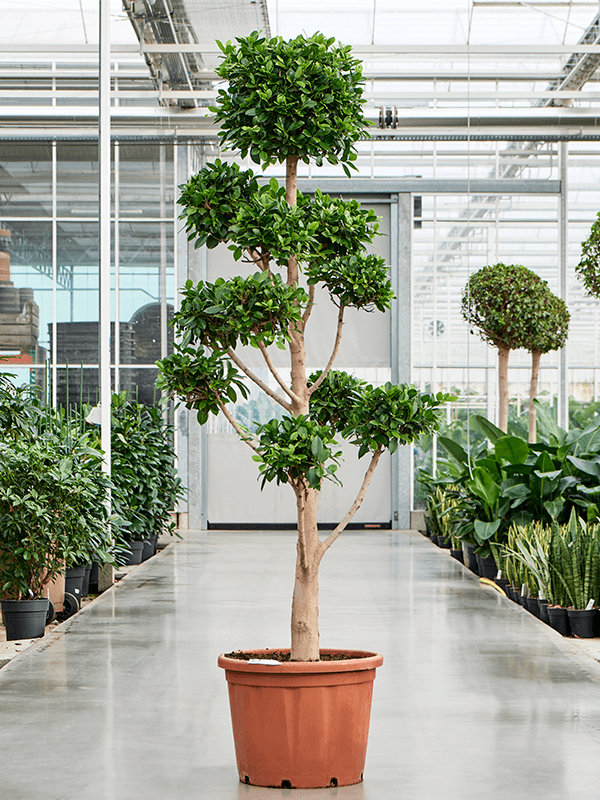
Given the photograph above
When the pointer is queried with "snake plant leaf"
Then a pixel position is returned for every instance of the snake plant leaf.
(512, 449)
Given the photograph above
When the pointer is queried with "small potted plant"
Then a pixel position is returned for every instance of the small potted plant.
(291, 102)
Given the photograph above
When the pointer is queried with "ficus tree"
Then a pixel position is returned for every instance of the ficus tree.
(513, 309)
(286, 102)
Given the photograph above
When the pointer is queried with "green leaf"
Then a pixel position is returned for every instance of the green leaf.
(511, 449)
(485, 530)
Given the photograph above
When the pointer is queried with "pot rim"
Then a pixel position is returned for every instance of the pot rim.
(361, 660)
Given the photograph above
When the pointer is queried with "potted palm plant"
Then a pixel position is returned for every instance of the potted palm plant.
(290, 102)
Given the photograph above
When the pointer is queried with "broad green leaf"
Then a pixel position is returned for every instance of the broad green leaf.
(485, 530)
(512, 449)
(488, 428)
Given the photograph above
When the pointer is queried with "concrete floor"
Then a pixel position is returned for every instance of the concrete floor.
(475, 699)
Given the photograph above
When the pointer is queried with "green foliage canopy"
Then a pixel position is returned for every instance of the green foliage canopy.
(300, 98)
(513, 307)
(588, 268)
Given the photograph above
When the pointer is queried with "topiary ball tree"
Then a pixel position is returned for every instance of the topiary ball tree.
(289, 101)
(513, 308)
(588, 269)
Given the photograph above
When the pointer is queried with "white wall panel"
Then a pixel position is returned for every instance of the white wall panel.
(234, 494)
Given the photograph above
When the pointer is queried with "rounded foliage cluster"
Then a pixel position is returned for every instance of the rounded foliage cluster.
(211, 199)
(360, 281)
(514, 308)
(259, 308)
(292, 449)
(588, 268)
(299, 98)
(203, 381)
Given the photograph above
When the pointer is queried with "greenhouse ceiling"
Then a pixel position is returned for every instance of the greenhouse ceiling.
(476, 69)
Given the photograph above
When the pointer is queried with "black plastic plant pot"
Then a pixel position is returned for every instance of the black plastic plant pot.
(74, 577)
(434, 538)
(147, 549)
(487, 567)
(582, 622)
(94, 578)
(85, 586)
(503, 584)
(470, 557)
(457, 554)
(558, 619)
(543, 605)
(444, 542)
(532, 605)
(24, 619)
(135, 553)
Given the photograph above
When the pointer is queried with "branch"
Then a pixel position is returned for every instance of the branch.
(309, 307)
(275, 374)
(246, 437)
(266, 389)
(261, 260)
(355, 505)
(336, 347)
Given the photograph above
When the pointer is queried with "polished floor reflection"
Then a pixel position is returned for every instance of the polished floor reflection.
(475, 699)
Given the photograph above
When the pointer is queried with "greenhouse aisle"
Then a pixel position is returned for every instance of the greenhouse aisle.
(475, 699)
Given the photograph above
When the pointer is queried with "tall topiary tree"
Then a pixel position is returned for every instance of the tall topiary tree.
(513, 308)
(289, 101)
(588, 269)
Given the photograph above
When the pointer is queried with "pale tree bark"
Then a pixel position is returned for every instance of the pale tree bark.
(533, 389)
(305, 601)
(503, 353)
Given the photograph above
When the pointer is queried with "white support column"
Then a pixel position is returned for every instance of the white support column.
(563, 215)
(117, 341)
(401, 248)
(104, 226)
(54, 375)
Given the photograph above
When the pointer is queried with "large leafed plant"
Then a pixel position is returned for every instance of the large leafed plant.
(288, 102)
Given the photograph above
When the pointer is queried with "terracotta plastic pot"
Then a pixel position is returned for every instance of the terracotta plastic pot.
(302, 724)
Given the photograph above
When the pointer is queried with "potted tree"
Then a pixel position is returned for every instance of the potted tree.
(513, 308)
(145, 479)
(45, 493)
(287, 102)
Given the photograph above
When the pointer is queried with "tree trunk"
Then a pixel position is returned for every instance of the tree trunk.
(305, 602)
(503, 353)
(309, 550)
(533, 388)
